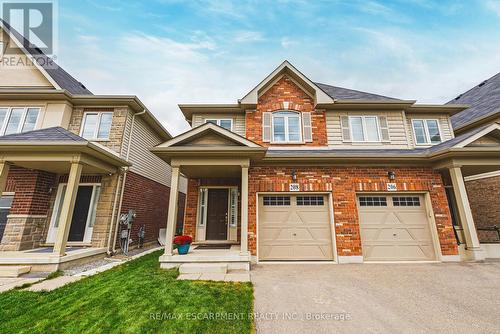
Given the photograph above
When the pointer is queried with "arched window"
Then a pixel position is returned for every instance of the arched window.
(286, 127)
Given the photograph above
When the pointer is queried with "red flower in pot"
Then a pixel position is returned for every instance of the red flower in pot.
(182, 243)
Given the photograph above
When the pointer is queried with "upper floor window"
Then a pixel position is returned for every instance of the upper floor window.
(286, 127)
(426, 131)
(17, 119)
(364, 128)
(96, 125)
(223, 123)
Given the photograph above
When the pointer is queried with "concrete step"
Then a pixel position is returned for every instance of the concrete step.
(203, 268)
(14, 271)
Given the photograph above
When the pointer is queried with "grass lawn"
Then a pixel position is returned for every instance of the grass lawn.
(136, 297)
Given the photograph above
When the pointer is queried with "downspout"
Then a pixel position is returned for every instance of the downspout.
(115, 202)
(122, 190)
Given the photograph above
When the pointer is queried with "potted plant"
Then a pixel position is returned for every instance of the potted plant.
(182, 243)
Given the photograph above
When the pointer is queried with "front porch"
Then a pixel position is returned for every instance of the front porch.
(60, 190)
(216, 162)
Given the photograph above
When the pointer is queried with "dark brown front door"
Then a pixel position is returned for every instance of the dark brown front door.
(217, 214)
(80, 213)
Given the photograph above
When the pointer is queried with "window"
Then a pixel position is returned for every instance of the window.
(406, 201)
(5, 204)
(223, 123)
(310, 200)
(426, 131)
(202, 206)
(17, 119)
(276, 200)
(364, 128)
(286, 127)
(96, 125)
(372, 201)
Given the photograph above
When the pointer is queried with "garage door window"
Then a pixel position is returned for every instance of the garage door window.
(310, 200)
(372, 201)
(406, 201)
(276, 200)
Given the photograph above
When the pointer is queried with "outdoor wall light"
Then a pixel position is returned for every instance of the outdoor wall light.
(391, 175)
(294, 176)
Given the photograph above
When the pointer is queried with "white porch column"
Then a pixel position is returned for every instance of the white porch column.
(67, 208)
(172, 210)
(4, 173)
(244, 210)
(473, 248)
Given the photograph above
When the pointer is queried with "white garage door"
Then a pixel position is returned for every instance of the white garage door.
(395, 228)
(294, 227)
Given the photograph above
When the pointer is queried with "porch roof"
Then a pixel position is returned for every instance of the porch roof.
(53, 149)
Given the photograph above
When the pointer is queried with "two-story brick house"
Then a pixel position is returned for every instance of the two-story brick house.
(70, 163)
(298, 170)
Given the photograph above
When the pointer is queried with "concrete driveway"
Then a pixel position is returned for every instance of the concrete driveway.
(376, 298)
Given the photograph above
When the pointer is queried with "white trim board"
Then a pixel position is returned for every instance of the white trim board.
(482, 176)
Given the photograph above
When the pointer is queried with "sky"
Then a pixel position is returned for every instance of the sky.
(169, 52)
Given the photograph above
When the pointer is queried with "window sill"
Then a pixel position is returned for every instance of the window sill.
(98, 140)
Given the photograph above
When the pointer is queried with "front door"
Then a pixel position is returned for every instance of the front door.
(80, 213)
(217, 214)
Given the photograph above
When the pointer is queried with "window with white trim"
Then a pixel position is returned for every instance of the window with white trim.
(223, 123)
(426, 131)
(202, 206)
(364, 128)
(286, 127)
(17, 119)
(96, 125)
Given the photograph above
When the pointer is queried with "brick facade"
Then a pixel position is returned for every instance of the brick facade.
(345, 183)
(26, 222)
(285, 90)
(484, 198)
(149, 199)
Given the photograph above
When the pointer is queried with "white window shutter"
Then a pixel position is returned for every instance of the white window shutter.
(307, 125)
(384, 128)
(266, 127)
(344, 124)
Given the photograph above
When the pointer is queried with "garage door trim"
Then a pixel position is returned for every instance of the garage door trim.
(298, 193)
(429, 212)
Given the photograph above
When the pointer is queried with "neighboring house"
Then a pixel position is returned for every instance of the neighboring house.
(298, 170)
(70, 163)
(484, 188)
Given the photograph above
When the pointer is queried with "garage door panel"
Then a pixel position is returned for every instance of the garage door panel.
(390, 233)
(295, 232)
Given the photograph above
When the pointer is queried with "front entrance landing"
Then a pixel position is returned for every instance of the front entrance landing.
(45, 260)
(208, 260)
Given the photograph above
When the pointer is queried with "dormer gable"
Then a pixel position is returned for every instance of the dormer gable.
(286, 69)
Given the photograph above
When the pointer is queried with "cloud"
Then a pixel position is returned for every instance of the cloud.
(494, 6)
(248, 36)
(287, 42)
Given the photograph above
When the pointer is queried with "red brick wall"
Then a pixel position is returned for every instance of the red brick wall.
(344, 183)
(484, 198)
(31, 189)
(149, 199)
(272, 100)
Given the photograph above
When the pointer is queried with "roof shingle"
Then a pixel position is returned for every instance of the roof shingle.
(351, 94)
(55, 133)
(56, 72)
(484, 100)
